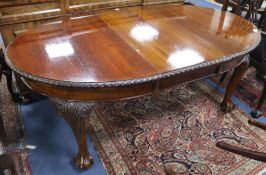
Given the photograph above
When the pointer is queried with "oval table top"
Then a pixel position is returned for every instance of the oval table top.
(134, 43)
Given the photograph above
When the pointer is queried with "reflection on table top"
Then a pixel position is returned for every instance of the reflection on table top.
(130, 43)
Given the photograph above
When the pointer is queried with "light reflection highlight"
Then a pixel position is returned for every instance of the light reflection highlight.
(184, 58)
(86, 77)
(59, 49)
(144, 33)
(80, 17)
(56, 22)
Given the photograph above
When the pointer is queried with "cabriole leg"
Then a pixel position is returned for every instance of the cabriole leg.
(239, 71)
(74, 112)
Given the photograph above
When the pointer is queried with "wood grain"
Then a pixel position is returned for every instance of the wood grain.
(129, 44)
(128, 52)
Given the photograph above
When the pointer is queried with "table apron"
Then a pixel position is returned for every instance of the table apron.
(125, 92)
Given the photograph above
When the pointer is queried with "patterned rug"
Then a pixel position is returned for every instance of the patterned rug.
(11, 116)
(248, 90)
(177, 129)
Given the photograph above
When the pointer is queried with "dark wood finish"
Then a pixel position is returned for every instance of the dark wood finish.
(83, 159)
(113, 93)
(258, 61)
(256, 155)
(238, 6)
(258, 56)
(74, 113)
(237, 75)
(87, 40)
(225, 5)
(246, 153)
(256, 113)
(128, 52)
(246, 8)
(17, 16)
(6, 163)
(256, 123)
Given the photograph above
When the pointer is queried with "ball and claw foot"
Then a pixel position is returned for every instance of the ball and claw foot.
(227, 107)
(83, 162)
(256, 113)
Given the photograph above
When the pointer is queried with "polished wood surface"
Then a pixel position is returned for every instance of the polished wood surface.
(128, 52)
(17, 16)
(130, 43)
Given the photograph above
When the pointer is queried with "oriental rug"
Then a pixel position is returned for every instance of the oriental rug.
(248, 90)
(11, 116)
(176, 129)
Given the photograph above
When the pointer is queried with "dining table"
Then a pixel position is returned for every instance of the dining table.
(115, 54)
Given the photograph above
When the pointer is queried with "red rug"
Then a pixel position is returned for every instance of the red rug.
(177, 129)
(249, 89)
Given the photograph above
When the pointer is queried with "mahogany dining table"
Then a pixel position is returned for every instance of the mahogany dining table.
(127, 52)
